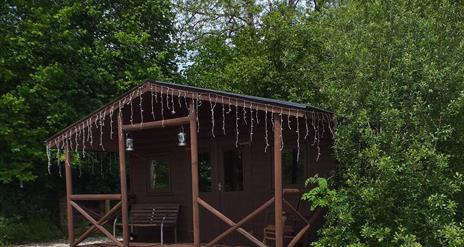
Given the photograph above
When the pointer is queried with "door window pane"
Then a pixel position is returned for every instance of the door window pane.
(233, 171)
(204, 172)
(293, 172)
(159, 175)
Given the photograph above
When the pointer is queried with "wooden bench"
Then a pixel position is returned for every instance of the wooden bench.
(154, 215)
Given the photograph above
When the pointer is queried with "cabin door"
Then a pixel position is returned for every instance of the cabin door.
(232, 185)
(208, 179)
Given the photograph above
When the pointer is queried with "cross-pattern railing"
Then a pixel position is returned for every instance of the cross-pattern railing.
(237, 226)
(97, 225)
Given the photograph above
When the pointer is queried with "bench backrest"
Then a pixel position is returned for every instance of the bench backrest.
(154, 214)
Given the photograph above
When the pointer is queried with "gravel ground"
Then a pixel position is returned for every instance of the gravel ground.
(63, 243)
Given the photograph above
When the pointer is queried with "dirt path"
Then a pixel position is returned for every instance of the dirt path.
(62, 243)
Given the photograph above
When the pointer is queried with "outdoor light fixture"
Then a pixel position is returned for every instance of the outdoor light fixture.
(182, 137)
(129, 144)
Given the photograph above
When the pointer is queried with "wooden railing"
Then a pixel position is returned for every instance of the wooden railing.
(237, 226)
(97, 225)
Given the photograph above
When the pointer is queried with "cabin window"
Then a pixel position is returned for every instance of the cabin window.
(159, 175)
(204, 171)
(233, 170)
(293, 170)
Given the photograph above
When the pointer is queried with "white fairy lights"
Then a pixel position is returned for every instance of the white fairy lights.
(79, 138)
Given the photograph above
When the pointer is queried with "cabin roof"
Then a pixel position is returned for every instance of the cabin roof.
(285, 106)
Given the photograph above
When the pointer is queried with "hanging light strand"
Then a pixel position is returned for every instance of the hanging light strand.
(251, 123)
(229, 110)
(152, 96)
(172, 103)
(167, 98)
(162, 106)
(313, 123)
(212, 106)
(323, 125)
(223, 116)
(111, 122)
(197, 105)
(329, 120)
(306, 125)
(266, 135)
(58, 158)
(288, 120)
(101, 131)
(83, 139)
(49, 162)
(257, 111)
(244, 113)
(131, 109)
(178, 99)
(236, 124)
(141, 105)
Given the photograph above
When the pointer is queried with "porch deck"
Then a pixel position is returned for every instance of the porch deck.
(135, 244)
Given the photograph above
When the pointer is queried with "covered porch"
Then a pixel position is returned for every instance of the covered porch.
(233, 164)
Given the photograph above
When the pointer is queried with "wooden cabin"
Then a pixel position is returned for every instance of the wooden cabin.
(234, 164)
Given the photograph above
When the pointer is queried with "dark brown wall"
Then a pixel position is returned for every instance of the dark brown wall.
(258, 169)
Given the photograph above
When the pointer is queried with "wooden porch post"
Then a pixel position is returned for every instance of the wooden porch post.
(194, 160)
(279, 229)
(69, 209)
(122, 177)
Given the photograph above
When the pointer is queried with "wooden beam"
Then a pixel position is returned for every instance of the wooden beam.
(194, 167)
(230, 223)
(95, 197)
(241, 222)
(157, 124)
(69, 191)
(95, 223)
(101, 221)
(301, 233)
(293, 209)
(291, 191)
(279, 226)
(123, 183)
(298, 236)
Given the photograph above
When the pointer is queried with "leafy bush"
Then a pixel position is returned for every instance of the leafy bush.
(17, 230)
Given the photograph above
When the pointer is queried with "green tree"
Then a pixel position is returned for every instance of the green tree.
(392, 73)
(58, 61)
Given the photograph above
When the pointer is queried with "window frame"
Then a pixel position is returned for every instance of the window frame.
(149, 189)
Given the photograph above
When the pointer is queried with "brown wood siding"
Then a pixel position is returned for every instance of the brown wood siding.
(258, 165)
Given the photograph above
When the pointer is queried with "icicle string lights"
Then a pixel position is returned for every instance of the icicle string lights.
(111, 121)
(152, 103)
(80, 137)
(172, 103)
(244, 113)
(236, 124)
(162, 107)
(266, 135)
(212, 115)
(223, 117)
(131, 109)
(251, 123)
(49, 159)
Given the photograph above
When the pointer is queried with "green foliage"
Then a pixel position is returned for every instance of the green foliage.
(23, 231)
(59, 60)
(392, 73)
